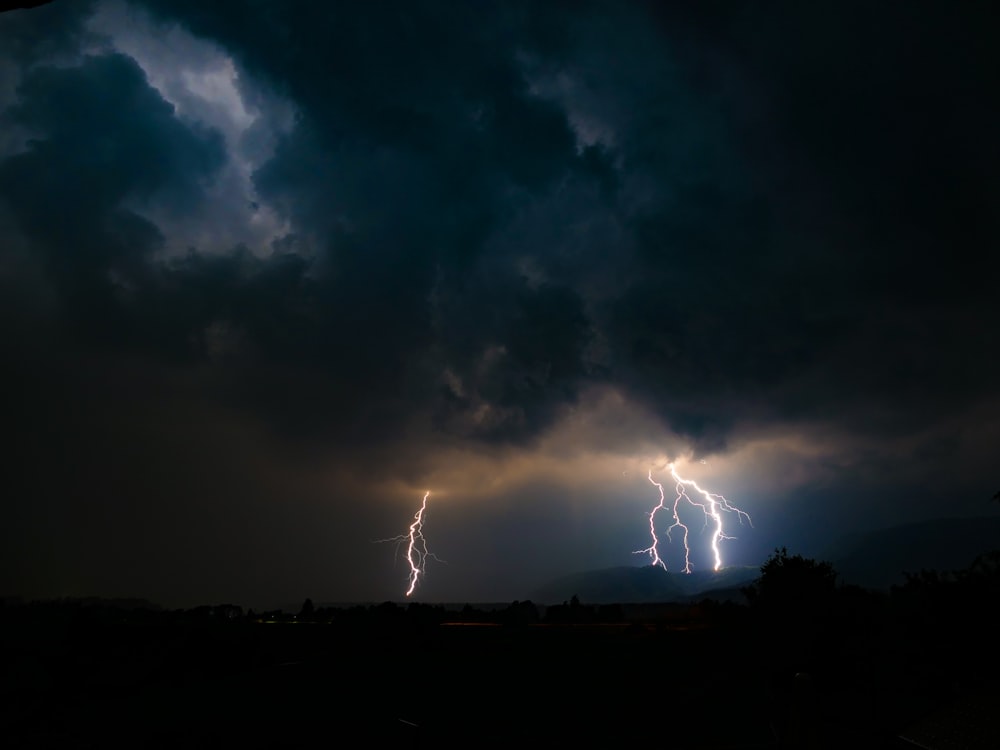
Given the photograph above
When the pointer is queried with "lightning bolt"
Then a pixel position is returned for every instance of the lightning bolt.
(416, 546)
(653, 549)
(712, 506)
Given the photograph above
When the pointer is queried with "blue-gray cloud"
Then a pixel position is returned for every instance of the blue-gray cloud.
(480, 212)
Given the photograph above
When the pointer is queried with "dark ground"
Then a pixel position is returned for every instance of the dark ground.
(705, 681)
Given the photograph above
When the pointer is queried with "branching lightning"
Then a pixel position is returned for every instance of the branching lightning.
(416, 546)
(712, 506)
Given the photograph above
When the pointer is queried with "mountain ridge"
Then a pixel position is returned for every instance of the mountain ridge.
(876, 559)
(645, 584)
(881, 558)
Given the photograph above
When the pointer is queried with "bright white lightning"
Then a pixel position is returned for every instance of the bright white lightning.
(712, 507)
(416, 546)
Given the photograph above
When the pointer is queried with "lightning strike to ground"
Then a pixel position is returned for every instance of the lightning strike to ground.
(416, 546)
(712, 506)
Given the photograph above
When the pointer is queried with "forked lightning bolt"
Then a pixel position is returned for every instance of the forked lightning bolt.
(416, 546)
(712, 506)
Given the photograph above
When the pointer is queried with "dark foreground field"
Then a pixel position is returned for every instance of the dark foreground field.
(285, 685)
(179, 683)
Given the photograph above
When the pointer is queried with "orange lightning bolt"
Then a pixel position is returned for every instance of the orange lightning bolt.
(416, 546)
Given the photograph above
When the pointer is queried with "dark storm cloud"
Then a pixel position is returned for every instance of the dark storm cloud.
(776, 182)
(44, 31)
(498, 246)
(400, 167)
(513, 390)
(359, 325)
(777, 205)
(832, 266)
(393, 181)
(102, 137)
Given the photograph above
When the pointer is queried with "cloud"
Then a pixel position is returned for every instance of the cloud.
(101, 137)
(467, 248)
(514, 243)
(202, 83)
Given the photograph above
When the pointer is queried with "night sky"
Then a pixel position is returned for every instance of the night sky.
(269, 271)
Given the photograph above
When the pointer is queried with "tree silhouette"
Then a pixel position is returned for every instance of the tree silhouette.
(792, 581)
(308, 610)
(793, 602)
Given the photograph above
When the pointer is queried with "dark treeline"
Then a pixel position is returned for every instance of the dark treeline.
(805, 661)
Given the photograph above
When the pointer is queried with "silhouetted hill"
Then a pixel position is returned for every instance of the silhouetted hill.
(879, 559)
(645, 584)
